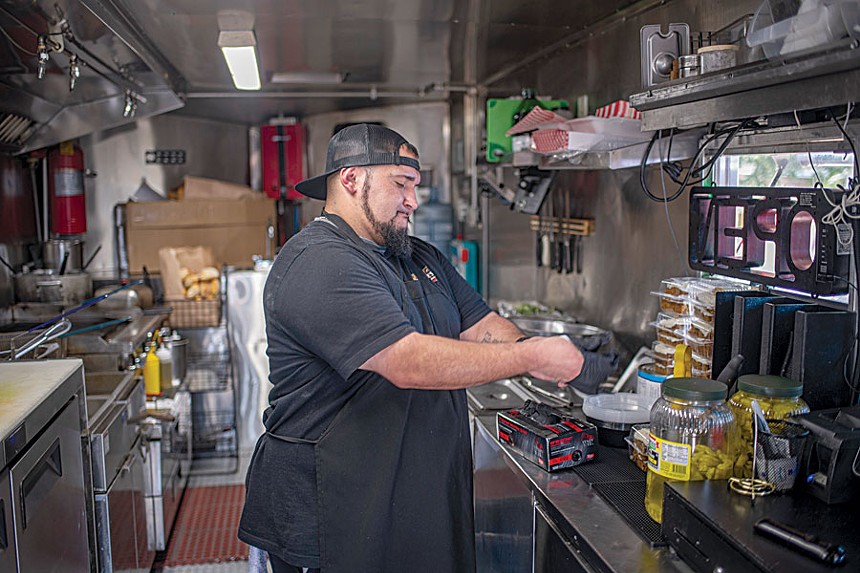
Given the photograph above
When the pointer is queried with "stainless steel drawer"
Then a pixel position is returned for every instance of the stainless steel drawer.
(49, 499)
(111, 438)
(121, 521)
(8, 558)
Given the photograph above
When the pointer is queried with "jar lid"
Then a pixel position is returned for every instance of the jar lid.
(695, 389)
(647, 372)
(774, 386)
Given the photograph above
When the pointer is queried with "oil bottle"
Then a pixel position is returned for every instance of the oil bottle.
(151, 371)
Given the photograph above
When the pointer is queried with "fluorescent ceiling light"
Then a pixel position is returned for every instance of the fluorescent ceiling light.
(240, 53)
(306, 78)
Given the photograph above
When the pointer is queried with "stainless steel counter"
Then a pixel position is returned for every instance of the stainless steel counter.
(595, 534)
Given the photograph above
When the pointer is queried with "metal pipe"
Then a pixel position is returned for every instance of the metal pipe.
(470, 110)
(35, 192)
(598, 28)
(485, 247)
(19, 21)
(370, 94)
(113, 77)
(46, 235)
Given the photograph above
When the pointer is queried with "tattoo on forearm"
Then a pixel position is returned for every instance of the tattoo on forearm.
(488, 337)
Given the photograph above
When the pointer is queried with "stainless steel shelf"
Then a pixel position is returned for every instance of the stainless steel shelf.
(684, 146)
(796, 82)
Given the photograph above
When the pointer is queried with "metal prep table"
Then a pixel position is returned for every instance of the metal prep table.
(529, 520)
(115, 405)
(43, 485)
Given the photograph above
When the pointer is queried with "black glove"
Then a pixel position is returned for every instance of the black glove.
(595, 369)
(540, 413)
(592, 343)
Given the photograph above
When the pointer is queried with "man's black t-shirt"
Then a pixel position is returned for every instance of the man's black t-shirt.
(328, 310)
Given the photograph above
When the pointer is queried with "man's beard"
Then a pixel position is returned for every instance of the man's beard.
(396, 240)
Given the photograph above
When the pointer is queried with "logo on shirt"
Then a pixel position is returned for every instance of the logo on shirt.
(429, 274)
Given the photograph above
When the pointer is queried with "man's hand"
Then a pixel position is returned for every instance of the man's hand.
(558, 359)
(596, 368)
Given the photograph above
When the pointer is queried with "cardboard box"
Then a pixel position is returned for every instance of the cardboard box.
(234, 230)
(203, 189)
(546, 437)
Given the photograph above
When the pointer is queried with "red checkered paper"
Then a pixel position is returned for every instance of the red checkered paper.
(549, 140)
(620, 108)
(537, 118)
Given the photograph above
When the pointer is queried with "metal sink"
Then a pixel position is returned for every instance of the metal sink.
(111, 384)
(107, 389)
(96, 407)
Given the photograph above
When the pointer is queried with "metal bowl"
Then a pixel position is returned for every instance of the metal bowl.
(588, 337)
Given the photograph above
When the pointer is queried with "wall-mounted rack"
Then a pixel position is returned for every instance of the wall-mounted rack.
(561, 225)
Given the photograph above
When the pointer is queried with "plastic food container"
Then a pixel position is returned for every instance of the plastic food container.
(671, 329)
(779, 399)
(691, 437)
(615, 414)
(679, 286)
(784, 26)
(702, 347)
(664, 357)
(704, 291)
(701, 330)
(637, 446)
(672, 304)
(700, 362)
(701, 372)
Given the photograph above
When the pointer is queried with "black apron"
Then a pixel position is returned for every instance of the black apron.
(394, 471)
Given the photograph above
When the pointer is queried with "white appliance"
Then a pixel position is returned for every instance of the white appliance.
(248, 339)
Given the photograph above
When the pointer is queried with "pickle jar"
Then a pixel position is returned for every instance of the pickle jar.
(778, 397)
(691, 437)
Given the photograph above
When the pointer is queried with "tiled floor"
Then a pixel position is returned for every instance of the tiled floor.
(208, 475)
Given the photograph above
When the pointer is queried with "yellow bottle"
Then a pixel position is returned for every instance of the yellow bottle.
(152, 373)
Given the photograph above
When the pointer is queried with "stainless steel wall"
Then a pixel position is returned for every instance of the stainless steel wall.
(632, 248)
(212, 149)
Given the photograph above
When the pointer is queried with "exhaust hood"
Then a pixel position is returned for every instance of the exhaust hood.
(98, 70)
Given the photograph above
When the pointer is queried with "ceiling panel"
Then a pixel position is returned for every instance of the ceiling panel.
(401, 46)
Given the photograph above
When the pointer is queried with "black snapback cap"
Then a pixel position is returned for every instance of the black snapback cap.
(358, 145)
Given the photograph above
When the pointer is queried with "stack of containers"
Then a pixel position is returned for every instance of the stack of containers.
(686, 318)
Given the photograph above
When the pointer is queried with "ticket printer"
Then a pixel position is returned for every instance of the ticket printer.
(830, 459)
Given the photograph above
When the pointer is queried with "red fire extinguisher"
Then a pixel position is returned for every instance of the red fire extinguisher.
(66, 187)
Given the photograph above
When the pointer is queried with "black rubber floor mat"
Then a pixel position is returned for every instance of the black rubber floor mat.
(628, 498)
(611, 465)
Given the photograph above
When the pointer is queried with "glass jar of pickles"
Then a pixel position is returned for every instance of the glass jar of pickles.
(778, 397)
(690, 437)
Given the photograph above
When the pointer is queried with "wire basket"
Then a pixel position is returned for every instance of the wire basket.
(208, 372)
(214, 433)
(195, 313)
(777, 453)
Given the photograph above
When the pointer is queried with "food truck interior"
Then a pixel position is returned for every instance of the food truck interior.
(673, 184)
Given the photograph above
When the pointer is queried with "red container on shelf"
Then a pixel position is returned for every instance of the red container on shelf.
(283, 159)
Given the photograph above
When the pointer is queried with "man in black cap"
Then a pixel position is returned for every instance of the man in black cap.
(365, 466)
